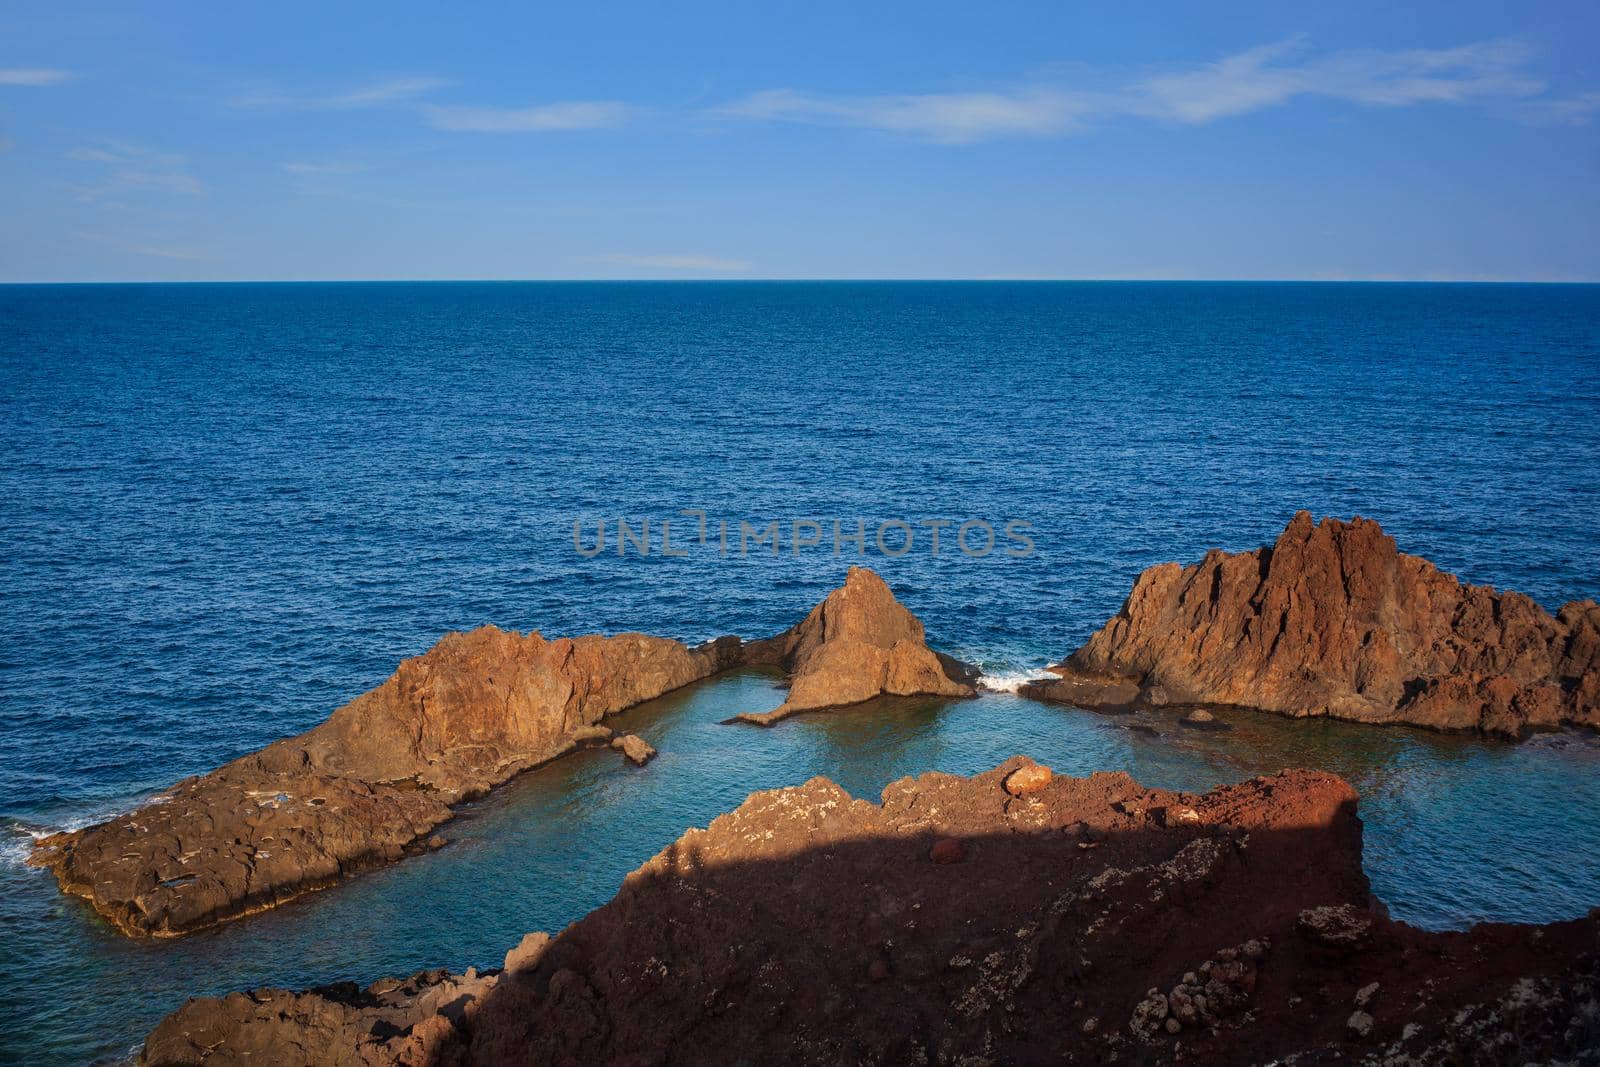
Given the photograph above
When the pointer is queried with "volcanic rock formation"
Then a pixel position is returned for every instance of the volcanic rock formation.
(370, 783)
(1334, 620)
(859, 643)
(1086, 920)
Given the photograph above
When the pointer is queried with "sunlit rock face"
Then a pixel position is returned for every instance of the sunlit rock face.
(859, 643)
(1334, 620)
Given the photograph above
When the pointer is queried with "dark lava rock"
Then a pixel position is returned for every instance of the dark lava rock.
(809, 927)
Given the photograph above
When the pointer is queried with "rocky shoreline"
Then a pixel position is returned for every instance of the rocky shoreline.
(1333, 620)
(372, 783)
(1013, 917)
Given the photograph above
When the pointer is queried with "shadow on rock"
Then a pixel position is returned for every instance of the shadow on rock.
(1013, 917)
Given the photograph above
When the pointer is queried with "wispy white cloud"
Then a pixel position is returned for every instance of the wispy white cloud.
(33, 76)
(954, 117)
(1278, 73)
(1269, 76)
(1561, 111)
(307, 169)
(709, 264)
(376, 94)
(542, 118)
(126, 168)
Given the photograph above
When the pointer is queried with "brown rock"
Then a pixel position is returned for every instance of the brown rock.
(370, 782)
(947, 850)
(635, 748)
(1027, 779)
(413, 1022)
(1101, 694)
(528, 953)
(859, 643)
(1340, 927)
(1333, 620)
(755, 940)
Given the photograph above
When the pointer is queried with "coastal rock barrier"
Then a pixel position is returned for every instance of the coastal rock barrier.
(369, 784)
(1012, 917)
(1334, 620)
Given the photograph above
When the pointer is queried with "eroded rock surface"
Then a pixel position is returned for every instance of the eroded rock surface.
(1088, 920)
(859, 643)
(368, 784)
(1334, 620)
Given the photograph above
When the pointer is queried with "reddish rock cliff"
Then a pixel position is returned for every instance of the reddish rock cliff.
(1086, 920)
(1334, 620)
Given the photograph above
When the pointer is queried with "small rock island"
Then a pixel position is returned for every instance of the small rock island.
(859, 643)
(1334, 620)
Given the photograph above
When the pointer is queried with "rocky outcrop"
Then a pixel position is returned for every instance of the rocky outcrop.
(859, 643)
(636, 748)
(370, 783)
(1334, 620)
(1014, 917)
(410, 1021)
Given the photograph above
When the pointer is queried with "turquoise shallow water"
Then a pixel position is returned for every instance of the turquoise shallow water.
(224, 510)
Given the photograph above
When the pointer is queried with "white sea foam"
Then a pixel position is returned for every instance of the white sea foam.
(16, 844)
(1010, 681)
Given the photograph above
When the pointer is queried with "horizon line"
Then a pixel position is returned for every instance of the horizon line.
(982, 280)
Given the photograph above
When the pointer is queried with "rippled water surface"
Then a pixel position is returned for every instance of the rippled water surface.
(224, 510)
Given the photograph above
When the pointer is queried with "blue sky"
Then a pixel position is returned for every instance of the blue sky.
(152, 141)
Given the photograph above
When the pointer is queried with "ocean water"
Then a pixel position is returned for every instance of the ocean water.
(225, 510)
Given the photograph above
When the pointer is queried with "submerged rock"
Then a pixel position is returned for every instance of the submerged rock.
(1201, 719)
(859, 643)
(810, 927)
(1334, 620)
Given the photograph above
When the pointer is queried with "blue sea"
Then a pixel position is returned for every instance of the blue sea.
(227, 509)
